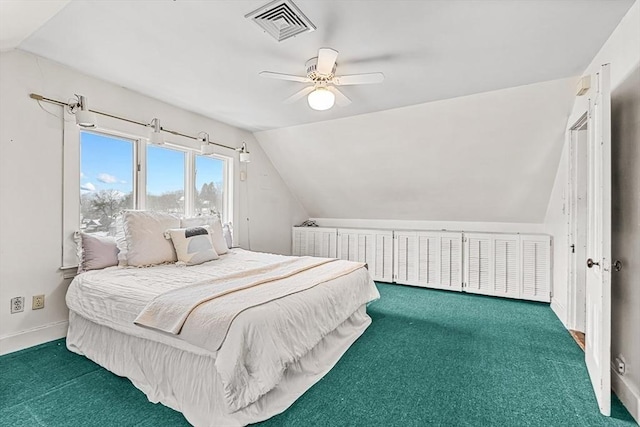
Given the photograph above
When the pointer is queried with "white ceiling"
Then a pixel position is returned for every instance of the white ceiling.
(205, 56)
(20, 18)
(489, 157)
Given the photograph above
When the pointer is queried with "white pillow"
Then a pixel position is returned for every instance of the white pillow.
(227, 232)
(144, 232)
(217, 237)
(121, 241)
(193, 245)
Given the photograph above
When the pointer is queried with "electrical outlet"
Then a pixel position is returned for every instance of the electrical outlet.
(17, 305)
(37, 302)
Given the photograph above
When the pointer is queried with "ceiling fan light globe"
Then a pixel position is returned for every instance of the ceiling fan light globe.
(321, 99)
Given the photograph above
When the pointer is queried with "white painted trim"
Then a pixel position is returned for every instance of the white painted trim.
(491, 227)
(560, 311)
(34, 336)
(626, 392)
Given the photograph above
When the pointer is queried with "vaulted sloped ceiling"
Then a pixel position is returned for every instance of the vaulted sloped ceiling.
(486, 157)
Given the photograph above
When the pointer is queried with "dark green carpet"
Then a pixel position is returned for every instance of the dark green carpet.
(429, 358)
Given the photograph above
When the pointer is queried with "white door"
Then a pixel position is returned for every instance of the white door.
(598, 325)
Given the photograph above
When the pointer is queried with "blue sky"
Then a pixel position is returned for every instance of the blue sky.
(107, 163)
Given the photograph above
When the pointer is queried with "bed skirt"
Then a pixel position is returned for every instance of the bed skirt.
(189, 382)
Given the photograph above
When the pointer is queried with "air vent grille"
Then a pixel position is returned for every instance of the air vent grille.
(281, 19)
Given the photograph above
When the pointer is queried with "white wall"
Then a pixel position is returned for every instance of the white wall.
(488, 157)
(31, 186)
(622, 50)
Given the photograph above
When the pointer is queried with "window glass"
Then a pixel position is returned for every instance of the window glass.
(165, 180)
(210, 186)
(106, 180)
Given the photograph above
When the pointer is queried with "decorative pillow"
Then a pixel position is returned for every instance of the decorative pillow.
(144, 233)
(96, 252)
(121, 241)
(217, 237)
(193, 245)
(227, 232)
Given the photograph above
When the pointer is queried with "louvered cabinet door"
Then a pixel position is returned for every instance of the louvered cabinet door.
(299, 236)
(314, 241)
(478, 263)
(382, 267)
(536, 267)
(428, 258)
(405, 257)
(325, 243)
(347, 245)
(506, 265)
(450, 261)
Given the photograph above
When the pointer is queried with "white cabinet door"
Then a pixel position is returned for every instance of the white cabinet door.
(505, 253)
(439, 259)
(299, 244)
(382, 269)
(478, 263)
(314, 241)
(508, 265)
(535, 282)
(405, 257)
(375, 247)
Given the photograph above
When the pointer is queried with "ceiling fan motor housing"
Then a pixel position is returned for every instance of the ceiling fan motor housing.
(313, 74)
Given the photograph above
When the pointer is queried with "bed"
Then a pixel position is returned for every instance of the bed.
(271, 352)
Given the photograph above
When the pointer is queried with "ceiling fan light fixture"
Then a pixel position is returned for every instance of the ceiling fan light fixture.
(321, 99)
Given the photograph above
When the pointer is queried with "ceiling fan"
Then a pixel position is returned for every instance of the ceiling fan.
(322, 92)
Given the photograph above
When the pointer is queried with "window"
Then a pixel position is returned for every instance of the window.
(106, 180)
(210, 185)
(165, 180)
(113, 168)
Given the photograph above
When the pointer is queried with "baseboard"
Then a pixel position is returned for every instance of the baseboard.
(34, 336)
(627, 393)
(560, 311)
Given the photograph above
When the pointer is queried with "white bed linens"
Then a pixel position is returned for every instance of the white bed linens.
(169, 311)
(257, 351)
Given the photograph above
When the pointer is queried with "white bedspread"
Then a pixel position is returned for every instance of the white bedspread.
(257, 349)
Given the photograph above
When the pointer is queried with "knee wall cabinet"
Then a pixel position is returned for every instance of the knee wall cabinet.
(375, 247)
(315, 241)
(508, 265)
(498, 264)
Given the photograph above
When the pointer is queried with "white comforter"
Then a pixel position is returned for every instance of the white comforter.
(256, 351)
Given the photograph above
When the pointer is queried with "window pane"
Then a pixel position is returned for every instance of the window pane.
(165, 180)
(106, 180)
(210, 185)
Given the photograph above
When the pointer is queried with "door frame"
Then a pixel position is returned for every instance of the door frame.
(573, 302)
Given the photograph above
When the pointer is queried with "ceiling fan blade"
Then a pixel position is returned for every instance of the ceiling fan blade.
(358, 79)
(281, 76)
(298, 95)
(326, 60)
(341, 98)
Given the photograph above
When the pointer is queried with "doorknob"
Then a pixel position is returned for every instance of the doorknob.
(591, 263)
(617, 265)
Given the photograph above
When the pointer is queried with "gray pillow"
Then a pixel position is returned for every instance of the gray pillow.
(213, 221)
(96, 252)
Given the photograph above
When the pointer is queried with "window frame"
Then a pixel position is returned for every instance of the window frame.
(138, 135)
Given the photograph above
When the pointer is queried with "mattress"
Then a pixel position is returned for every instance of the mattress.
(275, 342)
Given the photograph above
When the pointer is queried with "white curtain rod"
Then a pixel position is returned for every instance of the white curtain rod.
(65, 104)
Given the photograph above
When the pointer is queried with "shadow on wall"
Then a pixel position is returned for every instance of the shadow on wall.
(625, 223)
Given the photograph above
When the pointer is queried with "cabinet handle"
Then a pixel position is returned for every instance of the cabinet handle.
(591, 263)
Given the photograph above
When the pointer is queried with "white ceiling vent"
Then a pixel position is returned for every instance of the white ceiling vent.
(281, 19)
